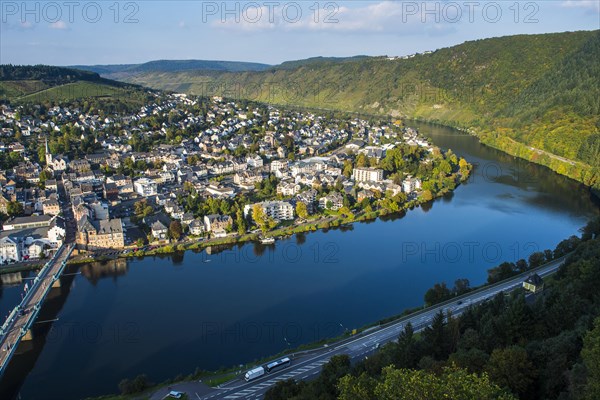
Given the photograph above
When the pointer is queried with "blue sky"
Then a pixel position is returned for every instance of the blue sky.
(109, 32)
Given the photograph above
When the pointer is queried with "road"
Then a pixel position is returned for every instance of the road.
(308, 366)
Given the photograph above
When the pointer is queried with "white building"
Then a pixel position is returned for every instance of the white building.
(254, 162)
(145, 187)
(9, 250)
(280, 210)
(278, 165)
(367, 174)
(411, 184)
(288, 188)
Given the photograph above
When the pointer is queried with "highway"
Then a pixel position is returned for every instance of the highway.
(308, 366)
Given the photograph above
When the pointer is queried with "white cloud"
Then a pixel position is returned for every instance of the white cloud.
(181, 24)
(25, 24)
(587, 4)
(381, 17)
(59, 25)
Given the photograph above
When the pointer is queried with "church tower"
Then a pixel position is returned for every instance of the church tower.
(48, 155)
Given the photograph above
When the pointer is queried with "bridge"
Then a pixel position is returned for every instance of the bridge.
(18, 324)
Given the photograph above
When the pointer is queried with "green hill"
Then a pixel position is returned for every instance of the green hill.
(128, 71)
(48, 84)
(534, 96)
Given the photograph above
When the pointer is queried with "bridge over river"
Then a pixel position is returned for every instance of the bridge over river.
(18, 324)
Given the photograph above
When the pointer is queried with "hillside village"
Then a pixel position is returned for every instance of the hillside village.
(188, 168)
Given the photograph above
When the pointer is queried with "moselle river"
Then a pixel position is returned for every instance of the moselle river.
(170, 315)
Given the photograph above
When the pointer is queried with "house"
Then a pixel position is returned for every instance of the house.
(217, 224)
(145, 187)
(9, 250)
(103, 234)
(110, 191)
(196, 227)
(288, 188)
(80, 166)
(247, 179)
(279, 210)
(187, 218)
(3, 204)
(51, 207)
(58, 164)
(367, 174)
(34, 221)
(219, 190)
(159, 230)
(254, 162)
(534, 283)
(51, 184)
(411, 184)
(333, 201)
(278, 165)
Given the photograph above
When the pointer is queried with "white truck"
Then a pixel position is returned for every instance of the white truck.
(254, 373)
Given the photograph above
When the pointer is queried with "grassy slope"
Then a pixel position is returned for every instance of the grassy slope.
(40, 84)
(534, 96)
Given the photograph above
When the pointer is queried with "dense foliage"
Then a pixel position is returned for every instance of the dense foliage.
(45, 73)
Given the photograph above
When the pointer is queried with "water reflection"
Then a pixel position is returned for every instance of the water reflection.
(105, 269)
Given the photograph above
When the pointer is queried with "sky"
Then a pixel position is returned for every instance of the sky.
(109, 32)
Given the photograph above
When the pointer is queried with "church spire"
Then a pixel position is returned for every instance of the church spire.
(48, 155)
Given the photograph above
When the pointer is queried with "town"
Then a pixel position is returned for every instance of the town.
(183, 169)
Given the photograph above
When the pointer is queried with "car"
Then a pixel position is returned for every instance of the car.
(459, 302)
(175, 394)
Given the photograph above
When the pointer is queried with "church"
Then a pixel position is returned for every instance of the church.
(57, 164)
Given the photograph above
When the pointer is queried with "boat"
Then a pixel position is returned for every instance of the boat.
(267, 240)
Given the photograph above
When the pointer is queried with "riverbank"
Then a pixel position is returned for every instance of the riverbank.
(20, 268)
(578, 171)
(309, 225)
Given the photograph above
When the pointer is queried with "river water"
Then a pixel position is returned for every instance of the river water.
(171, 315)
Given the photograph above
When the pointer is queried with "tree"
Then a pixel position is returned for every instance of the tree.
(284, 390)
(345, 211)
(427, 195)
(259, 216)
(175, 230)
(461, 286)
(337, 367)
(138, 207)
(405, 384)
(14, 208)
(510, 368)
(591, 359)
(438, 293)
(362, 160)
(436, 336)
(347, 170)
(240, 222)
(45, 175)
(148, 210)
(536, 259)
(301, 210)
